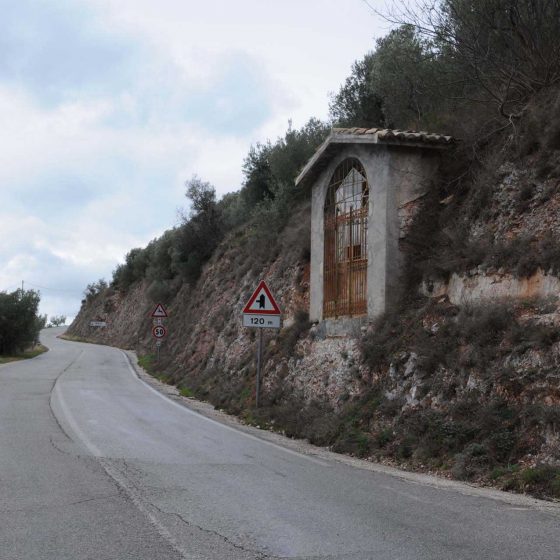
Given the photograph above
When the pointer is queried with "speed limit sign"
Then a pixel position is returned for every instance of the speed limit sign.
(159, 331)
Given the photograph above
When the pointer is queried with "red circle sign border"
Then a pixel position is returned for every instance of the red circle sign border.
(159, 327)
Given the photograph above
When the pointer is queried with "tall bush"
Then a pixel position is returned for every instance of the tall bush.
(19, 321)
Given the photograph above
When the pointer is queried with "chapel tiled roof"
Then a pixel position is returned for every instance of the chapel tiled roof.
(382, 136)
(388, 134)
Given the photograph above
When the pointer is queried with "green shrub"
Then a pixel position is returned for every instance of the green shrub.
(542, 480)
(353, 441)
(524, 197)
(146, 361)
(160, 291)
(501, 472)
(186, 392)
(384, 437)
(472, 462)
(94, 289)
(20, 322)
(288, 337)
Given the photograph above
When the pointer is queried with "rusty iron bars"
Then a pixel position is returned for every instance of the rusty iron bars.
(345, 239)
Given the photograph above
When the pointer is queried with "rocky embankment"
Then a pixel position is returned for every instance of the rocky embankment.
(464, 382)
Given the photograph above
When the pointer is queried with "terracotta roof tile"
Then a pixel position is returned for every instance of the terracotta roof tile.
(387, 134)
(390, 137)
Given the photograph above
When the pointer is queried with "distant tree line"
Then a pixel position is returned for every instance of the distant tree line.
(20, 322)
(57, 321)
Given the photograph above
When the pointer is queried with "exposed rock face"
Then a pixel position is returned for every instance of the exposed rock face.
(207, 348)
(475, 287)
(441, 397)
(522, 204)
(127, 318)
(326, 369)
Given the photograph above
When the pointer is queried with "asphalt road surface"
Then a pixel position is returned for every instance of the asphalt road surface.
(96, 464)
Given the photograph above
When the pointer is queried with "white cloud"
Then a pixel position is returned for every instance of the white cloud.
(93, 155)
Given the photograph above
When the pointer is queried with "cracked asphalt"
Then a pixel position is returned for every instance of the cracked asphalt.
(97, 464)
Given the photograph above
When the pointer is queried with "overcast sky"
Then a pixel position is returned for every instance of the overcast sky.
(108, 106)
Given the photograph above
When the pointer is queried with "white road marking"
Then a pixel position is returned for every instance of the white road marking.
(119, 479)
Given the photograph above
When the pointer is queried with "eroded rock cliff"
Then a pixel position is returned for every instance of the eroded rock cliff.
(463, 378)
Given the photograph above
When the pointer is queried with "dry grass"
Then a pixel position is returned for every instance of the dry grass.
(28, 354)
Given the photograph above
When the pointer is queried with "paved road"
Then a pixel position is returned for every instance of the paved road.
(95, 464)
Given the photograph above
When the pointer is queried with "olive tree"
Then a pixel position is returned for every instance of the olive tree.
(503, 51)
(19, 321)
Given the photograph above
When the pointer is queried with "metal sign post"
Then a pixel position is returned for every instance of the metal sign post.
(259, 361)
(158, 332)
(158, 329)
(261, 312)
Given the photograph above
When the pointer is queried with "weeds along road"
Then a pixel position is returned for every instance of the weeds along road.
(95, 464)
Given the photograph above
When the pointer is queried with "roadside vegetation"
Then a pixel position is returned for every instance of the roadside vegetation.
(33, 352)
(257, 213)
(20, 322)
(56, 321)
(150, 364)
(469, 390)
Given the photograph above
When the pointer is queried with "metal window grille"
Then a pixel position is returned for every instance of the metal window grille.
(346, 221)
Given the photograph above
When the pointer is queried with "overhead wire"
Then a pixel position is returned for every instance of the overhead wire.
(52, 289)
(10, 288)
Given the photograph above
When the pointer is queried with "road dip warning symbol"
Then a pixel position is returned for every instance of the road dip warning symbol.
(262, 302)
(159, 311)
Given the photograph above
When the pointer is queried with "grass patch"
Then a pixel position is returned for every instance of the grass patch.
(148, 362)
(542, 480)
(186, 392)
(501, 472)
(28, 354)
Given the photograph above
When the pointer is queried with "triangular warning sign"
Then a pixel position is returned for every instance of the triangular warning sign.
(262, 302)
(159, 311)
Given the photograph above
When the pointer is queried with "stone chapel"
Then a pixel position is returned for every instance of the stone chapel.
(365, 187)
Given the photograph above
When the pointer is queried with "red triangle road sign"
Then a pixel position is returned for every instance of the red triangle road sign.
(262, 302)
(159, 311)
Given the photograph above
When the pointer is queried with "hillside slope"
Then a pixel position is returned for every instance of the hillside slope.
(463, 378)
(207, 350)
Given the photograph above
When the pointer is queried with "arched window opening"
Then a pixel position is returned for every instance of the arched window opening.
(345, 236)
